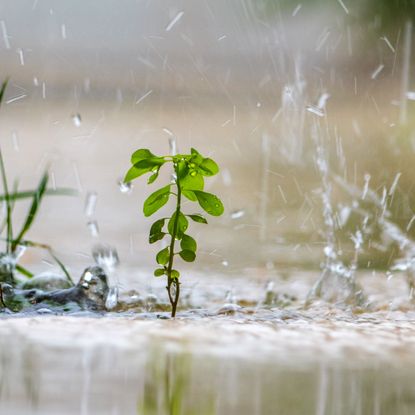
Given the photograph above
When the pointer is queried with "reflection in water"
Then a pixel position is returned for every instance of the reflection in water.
(72, 365)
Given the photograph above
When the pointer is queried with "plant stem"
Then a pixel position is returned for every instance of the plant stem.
(174, 282)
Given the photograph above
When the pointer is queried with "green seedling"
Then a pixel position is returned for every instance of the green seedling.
(15, 242)
(189, 171)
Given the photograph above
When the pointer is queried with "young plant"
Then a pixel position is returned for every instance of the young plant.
(187, 181)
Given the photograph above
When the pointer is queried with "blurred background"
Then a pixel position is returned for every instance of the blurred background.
(244, 81)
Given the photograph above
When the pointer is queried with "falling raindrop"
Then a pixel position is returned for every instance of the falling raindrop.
(93, 228)
(173, 146)
(77, 120)
(237, 214)
(90, 204)
(125, 187)
(315, 110)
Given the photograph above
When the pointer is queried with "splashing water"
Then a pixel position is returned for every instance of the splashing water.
(106, 257)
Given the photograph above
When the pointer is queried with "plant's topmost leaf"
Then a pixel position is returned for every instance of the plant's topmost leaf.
(141, 154)
(156, 200)
(196, 157)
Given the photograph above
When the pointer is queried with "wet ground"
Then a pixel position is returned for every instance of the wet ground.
(227, 353)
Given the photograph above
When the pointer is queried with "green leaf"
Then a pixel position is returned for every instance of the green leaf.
(24, 271)
(174, 274)
(159, 272)
(141, 154)
(188, 243)
(151, 163)
(189, 195)
(182, 225)
(209, 203)
(162, 257)
(153, 177)
(188, 256)
(208, 167)
(198, 218)
(156, 231)
(156, 200)
(196, 158)
(135, 172)
(193, 180)
(37, 198)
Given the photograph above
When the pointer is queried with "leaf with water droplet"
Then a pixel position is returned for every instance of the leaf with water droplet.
(187, 255)
(188, 243)
(156, 200)
(162, 257)
(192, 181)
(209, 203)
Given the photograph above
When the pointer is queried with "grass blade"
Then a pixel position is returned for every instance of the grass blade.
(3, 89)
(6, 198)
(37, 198)
(4, 179)
(27, 194)
(24, 271)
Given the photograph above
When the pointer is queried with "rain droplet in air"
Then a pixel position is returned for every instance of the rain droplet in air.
(90, 204)
(125, 187)
(77, 120)
(237, 214)
(93, 228)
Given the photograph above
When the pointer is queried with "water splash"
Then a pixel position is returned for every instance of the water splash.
(106, 257)
(337, 281)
